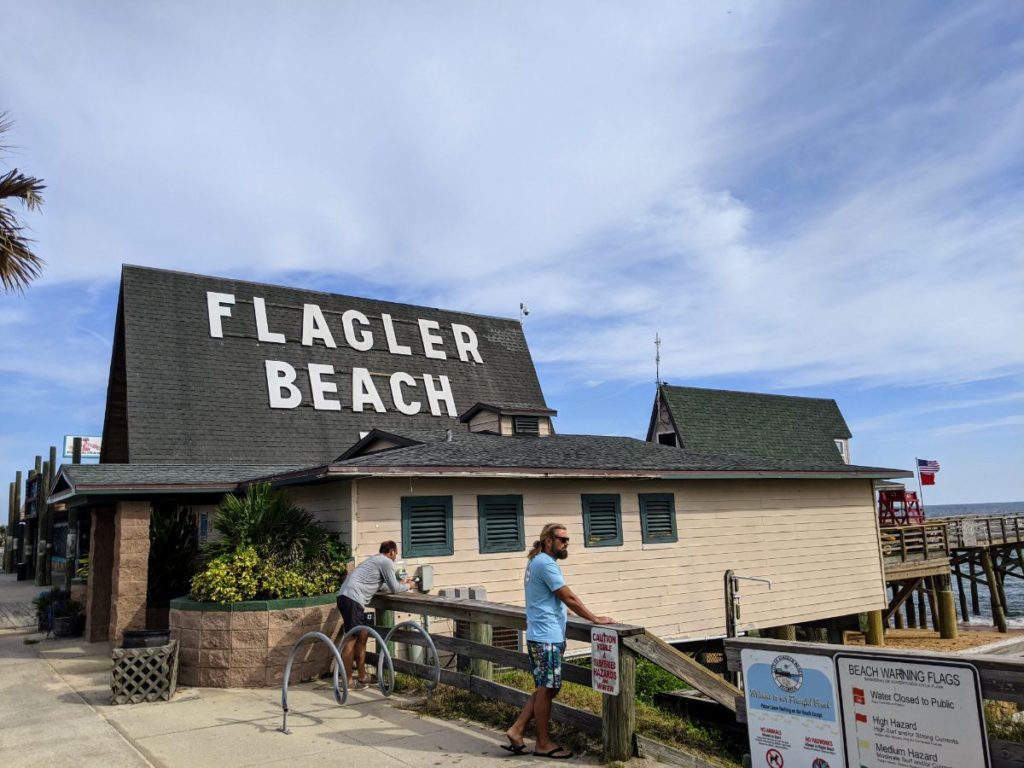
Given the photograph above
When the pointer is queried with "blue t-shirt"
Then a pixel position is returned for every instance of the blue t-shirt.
(545, 613)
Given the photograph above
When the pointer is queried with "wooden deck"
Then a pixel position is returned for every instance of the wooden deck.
(977, 551)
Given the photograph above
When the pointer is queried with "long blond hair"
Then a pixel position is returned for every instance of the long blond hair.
(547, 532)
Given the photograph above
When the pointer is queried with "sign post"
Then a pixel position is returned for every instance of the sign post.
(792, 710)
(604, 661)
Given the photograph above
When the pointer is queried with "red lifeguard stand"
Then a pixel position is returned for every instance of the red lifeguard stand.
(899, 507)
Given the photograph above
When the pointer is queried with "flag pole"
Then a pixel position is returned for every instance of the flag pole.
(920, 488)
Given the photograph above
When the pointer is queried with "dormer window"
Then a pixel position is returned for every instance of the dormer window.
(526, 425)
(510, 419)
(841, 447)
(667, 438)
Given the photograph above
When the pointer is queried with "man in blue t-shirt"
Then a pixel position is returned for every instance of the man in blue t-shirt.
(547, 597)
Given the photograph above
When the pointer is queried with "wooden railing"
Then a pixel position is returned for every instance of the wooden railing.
(1002, 679)
(967, 532)
(914, 543)
(616, 724)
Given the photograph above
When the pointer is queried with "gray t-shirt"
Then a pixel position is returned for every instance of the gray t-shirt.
(368, 578)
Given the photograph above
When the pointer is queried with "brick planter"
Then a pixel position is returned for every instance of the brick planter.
(246, 645)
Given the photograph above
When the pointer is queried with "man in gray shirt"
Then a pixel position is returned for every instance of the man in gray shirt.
(356, 591)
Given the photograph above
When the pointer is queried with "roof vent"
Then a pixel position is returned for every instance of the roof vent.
(526, 425)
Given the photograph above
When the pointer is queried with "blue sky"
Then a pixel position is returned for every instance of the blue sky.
(815, 199)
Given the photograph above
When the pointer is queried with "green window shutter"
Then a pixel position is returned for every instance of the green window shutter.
(500, 521)
(602, 520)
(427, 526)
(658, 517)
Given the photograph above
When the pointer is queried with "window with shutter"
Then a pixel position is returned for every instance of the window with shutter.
(602, 520)
(500, 520)
(526, 425)
(427, 526)
(658, 518)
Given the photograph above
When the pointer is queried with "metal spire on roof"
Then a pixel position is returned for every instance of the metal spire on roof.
(657, 359)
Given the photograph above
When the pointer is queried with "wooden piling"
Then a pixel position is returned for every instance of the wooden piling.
(911, 613)
(962, 593)
(993, 591)
(619, 712)
(897, 615)
(933, 603)
(875, 634)
(975, 599)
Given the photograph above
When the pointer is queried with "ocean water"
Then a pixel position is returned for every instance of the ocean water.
(1014, 586)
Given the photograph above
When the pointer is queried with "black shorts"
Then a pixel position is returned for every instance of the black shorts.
(352, 613)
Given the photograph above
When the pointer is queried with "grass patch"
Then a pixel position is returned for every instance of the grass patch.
(447, 702)
(1000, 723)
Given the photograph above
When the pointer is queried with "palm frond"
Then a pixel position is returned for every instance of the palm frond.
(18, 264)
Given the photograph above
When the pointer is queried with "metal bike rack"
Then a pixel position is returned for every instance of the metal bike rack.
(431, 684)
(340, 694)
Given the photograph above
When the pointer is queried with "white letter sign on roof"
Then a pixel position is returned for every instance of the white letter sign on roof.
(398, 378)
(431, 340)
(319, 388)
(281, 377)
(314, 326)
(263, 332)
(217, 307)
(364, 392)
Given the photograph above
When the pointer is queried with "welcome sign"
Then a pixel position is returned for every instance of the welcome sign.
(210, 369)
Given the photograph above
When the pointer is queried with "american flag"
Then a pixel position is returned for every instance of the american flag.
(927, 465)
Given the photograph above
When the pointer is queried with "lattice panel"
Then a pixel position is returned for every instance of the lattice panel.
(144, 674)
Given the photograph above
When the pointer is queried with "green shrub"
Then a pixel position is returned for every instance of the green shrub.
(268, 549)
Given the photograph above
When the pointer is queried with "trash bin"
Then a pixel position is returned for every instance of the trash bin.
(145, 638)
(22, 571)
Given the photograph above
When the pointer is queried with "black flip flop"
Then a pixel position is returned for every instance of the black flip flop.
(515, 749)
(553, 754)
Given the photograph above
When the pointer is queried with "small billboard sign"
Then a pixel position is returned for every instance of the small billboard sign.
(90, 447)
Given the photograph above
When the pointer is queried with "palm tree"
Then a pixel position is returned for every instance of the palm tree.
(18, 265)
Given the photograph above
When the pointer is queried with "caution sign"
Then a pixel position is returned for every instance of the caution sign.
(604, 661)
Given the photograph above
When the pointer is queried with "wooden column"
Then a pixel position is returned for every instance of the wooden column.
(875, 635)
(993, 591)
(19, 530)
(42, 553)
(975, 599)
(481, 633)
(911, 612)
(947, 608)
(962, 594)
(897, 615)
(619, 712)
(12, 524)
(101, 556)
(933, 604)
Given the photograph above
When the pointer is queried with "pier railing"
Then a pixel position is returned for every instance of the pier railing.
(477, 657)
(915, 543)
(967, 532)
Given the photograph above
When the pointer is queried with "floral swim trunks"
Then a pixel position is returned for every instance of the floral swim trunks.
(547, 663)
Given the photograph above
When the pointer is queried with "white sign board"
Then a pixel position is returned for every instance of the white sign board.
(792, 710)
(90, 446)
(604, 660)
(909, 714)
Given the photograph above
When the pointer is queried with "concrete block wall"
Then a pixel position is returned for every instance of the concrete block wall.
(248, 645)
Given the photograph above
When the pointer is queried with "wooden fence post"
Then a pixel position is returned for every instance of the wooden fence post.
(481, 633)
(619, 712)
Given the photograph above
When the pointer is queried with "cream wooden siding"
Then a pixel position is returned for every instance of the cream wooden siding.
(485, 421)
(815, 539)
(331, 503)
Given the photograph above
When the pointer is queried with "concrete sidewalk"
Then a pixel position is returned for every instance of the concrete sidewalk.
(55, 711)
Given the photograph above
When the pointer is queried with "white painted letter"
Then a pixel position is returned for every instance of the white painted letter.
(393, 346)
(435, 396)
(431, 340)
(262, 329)
(281, 377)
(362, 342)
(314, 326)
(364, 392)
(465, 341)
(319, 387)
(216, 307)
(398, 378)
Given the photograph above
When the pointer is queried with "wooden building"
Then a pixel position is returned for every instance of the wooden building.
(429, 427)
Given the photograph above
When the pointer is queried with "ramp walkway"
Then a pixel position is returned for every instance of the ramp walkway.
(16, 609)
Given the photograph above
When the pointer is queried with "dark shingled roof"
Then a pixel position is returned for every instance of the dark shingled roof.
(177, 394)
(472, 452)
(98, 479)
(800, 429)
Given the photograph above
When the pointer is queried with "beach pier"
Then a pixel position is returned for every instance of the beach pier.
(922, 560)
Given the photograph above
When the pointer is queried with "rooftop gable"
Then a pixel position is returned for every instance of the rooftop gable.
(752, 424)
(208, 369)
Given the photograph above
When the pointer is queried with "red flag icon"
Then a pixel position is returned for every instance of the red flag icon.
(861, 718)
